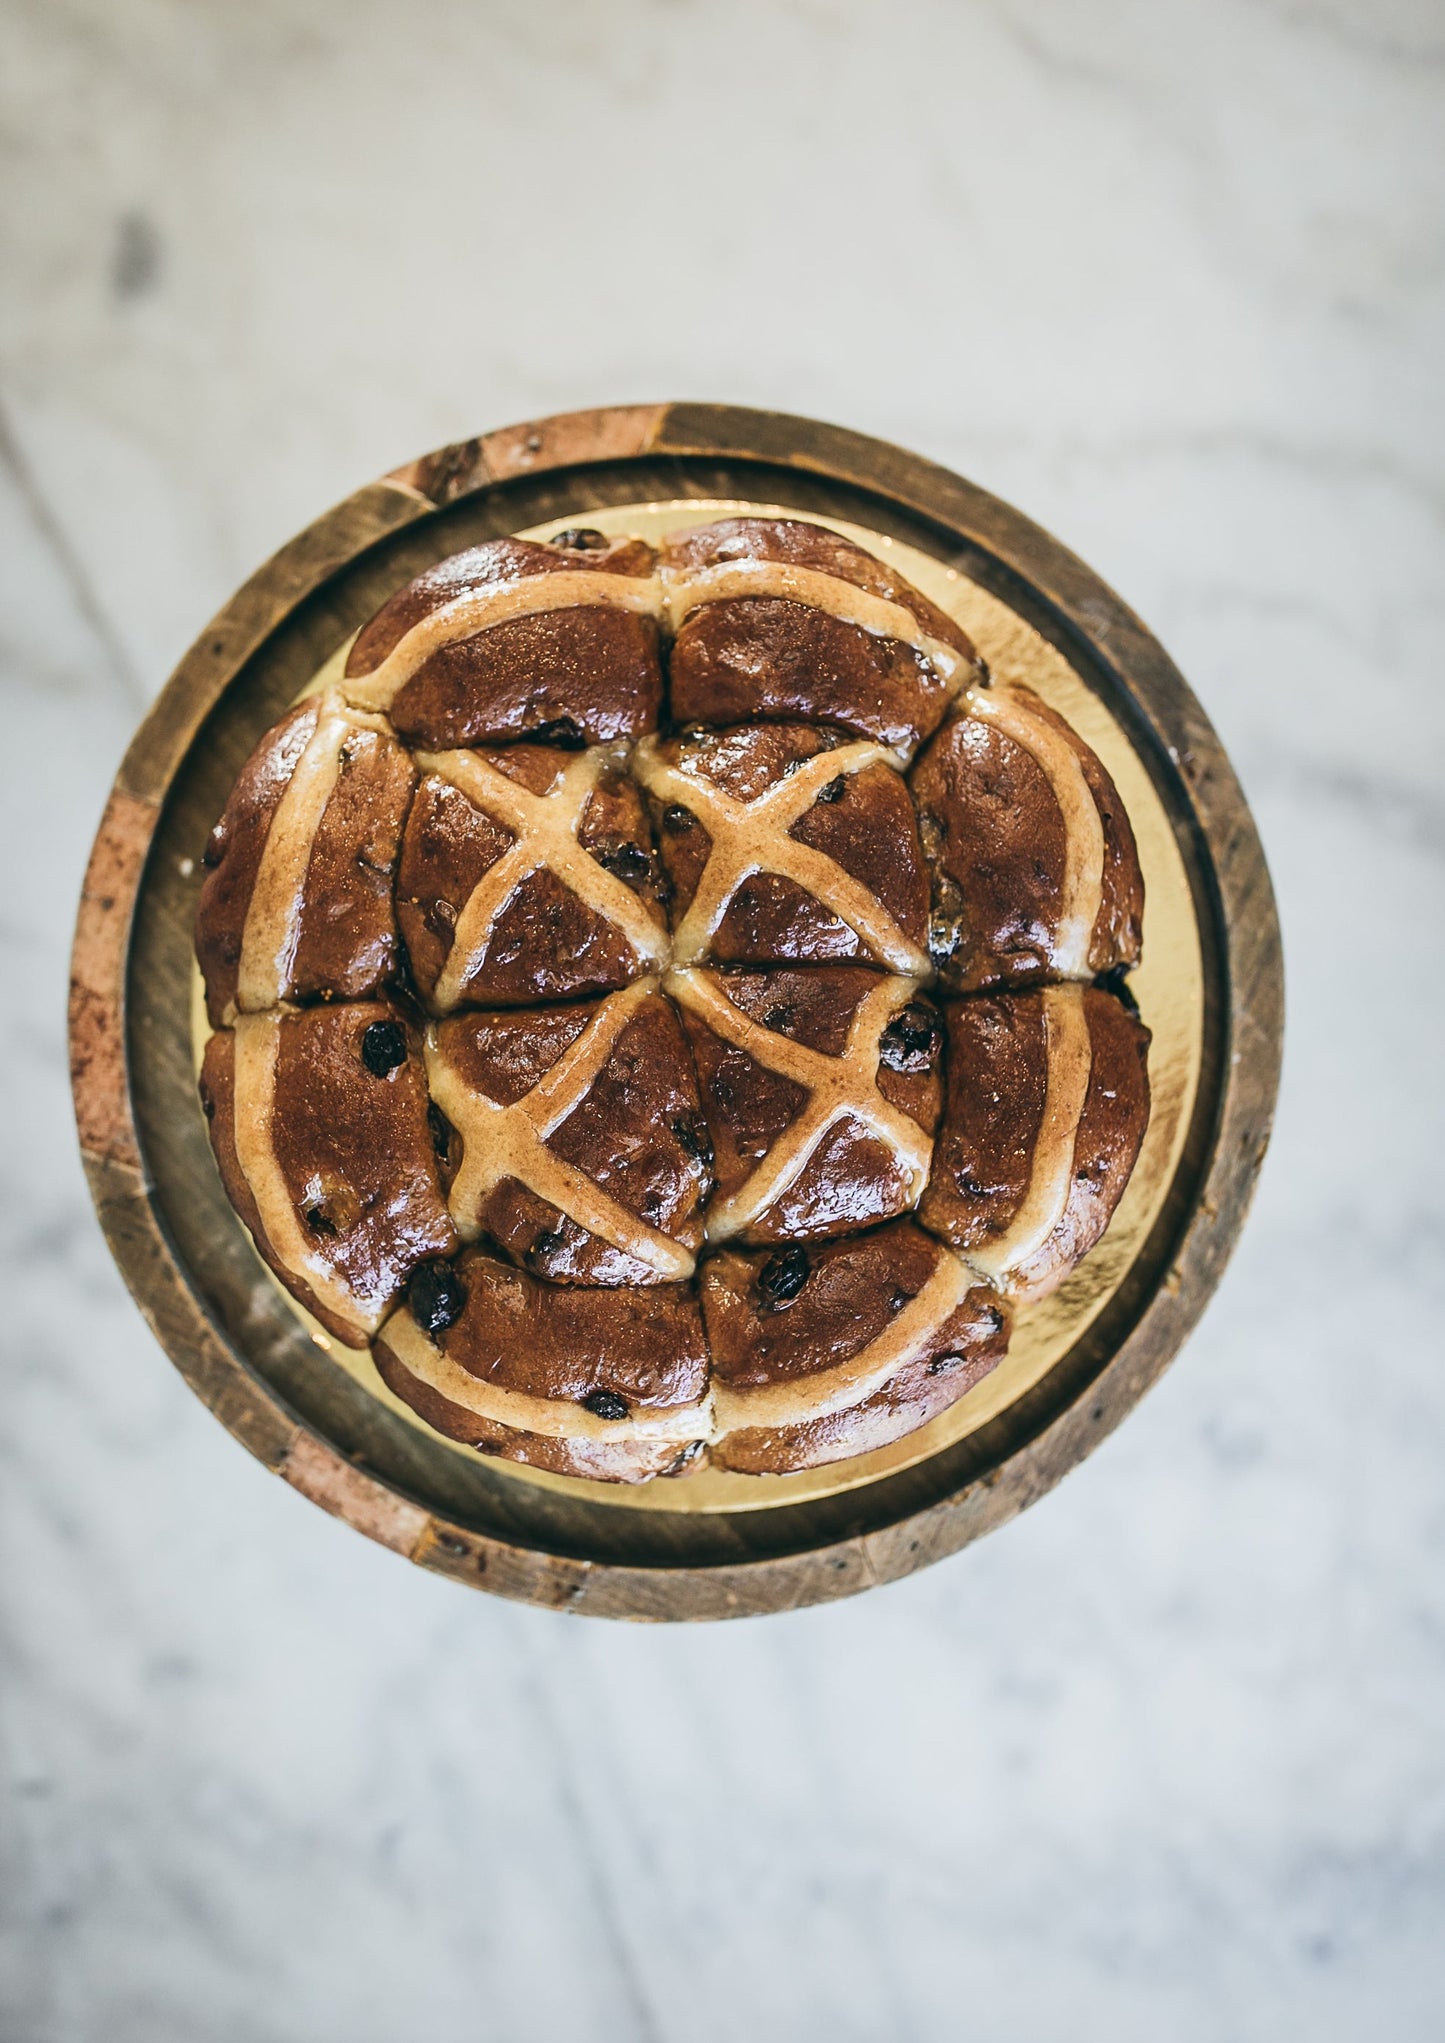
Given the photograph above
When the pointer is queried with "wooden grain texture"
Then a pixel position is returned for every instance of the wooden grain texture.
(615, 433)
(97, 979)
(183, 1252)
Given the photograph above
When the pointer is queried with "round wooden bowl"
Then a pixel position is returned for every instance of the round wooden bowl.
(187, 1258)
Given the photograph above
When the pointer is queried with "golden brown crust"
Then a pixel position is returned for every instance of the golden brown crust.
(618, 1379)
(598, 1461)
(354, 1155)
(999, 1147)
(977, 1340)
(347, 945)
(739, 656)
(1022, 841)
(592, 672)
(345, 942)
(1118, 937)
(801, 544)
(542, 941)
(233, 854)
(1111, 1132)
(494, 561)
(850, 1294)
(764, 656)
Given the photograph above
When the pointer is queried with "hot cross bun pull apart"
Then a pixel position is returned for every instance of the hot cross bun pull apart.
(670, 1003)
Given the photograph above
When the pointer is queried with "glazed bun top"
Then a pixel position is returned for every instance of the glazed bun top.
(515, 640)
(740, 555)
(482, 575)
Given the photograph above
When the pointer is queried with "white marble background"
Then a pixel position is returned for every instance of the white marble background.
(1163, 1758)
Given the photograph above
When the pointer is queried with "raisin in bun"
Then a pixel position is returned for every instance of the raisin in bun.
(842, 1347)
(612, 1385)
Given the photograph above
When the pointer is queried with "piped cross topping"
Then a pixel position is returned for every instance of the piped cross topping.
(498, 602)
(688, 589)
(545, 828)
(753, 837)
(839, 1088)
(511, 1141)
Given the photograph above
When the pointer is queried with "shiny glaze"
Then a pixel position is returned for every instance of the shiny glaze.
(332, 1166)
(1036, 874)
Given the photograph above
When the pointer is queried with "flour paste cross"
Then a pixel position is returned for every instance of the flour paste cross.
(511, 1141)
(545, 827)
(839, 1088)
(752, 837)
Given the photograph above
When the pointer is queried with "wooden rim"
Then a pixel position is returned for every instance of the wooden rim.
(124, 1075)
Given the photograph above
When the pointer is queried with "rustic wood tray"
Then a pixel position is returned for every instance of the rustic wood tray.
(671, 1551)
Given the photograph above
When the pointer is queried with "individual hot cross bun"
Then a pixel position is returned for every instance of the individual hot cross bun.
(297, 899)
(775, 617)
(821, 1090)
(318, 1119)
(527, 874)
(515, 639)
(785, 843)
(613, 1385)
(1035, 870)
(843, 1346)
(1046, 1106)
(580, 1146)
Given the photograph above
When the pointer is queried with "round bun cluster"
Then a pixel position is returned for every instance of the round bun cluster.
(670, 1005)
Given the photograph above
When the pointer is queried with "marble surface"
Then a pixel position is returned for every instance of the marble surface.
(1163, 1758)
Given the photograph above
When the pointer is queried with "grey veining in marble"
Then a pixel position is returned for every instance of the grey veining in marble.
(1162, 1759)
